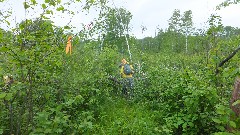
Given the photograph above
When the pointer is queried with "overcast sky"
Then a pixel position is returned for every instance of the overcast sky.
(150, 13)
(156, 13)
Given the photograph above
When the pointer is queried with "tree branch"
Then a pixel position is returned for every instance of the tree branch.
(227, 59)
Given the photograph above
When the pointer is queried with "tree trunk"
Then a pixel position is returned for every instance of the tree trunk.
(186, 43)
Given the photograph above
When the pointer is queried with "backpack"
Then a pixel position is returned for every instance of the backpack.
(127, 69)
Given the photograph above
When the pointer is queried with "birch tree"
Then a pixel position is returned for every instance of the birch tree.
(186, 26)
(175, 23)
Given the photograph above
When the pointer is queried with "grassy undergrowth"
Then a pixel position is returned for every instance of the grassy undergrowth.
(121, 116)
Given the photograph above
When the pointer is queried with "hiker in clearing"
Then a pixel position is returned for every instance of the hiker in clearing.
(127, 72)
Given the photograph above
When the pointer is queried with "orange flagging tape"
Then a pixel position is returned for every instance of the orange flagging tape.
(69, 45)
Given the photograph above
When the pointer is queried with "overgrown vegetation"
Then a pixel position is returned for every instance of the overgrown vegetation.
(180, 86)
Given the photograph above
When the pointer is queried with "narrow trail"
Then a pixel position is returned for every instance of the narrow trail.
(122, 116)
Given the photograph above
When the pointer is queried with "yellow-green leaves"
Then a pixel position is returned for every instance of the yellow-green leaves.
(227, 3)
(61, 8)
(232, 124)
(91, 1)
(49, 12)
(26, 5)
(47, 1)
(53, 2)
(3, 95)
(44, 6)
(3, 49)
(67, 27)
(33, 2)
(236, 102)
(8, 23)
(6, 96)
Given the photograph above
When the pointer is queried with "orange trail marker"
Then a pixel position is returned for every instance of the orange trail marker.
(69, 45)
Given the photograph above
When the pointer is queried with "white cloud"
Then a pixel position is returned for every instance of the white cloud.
(230, 15)
(149, 13)
(156, 13)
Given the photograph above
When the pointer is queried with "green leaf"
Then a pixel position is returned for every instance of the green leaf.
(232, 124)
(48, 130)
(59, 130)
(221, 128)
(67, 27)
(223, 133)
(216, 120)
(25, 4)
(4, 49)
(184, 125)
(180, 122)
(191, 124)
(44, 6)
(2, 95)
(47, 96)
(44, 17)
(9, 96)
(61, 8)
(49, 12)
(175, 125)
(21, 26)
(221, 109)
(58, 1)
(236, 102)
(7, 22)
(34, 2)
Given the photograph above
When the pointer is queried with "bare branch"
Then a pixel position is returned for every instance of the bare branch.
(226, 59)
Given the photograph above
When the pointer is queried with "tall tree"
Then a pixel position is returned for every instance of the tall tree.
(213, 33)
(175, 21)
(186, 26)
(35, 32)
(229, 31)
(175, 24)
(114, 24)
